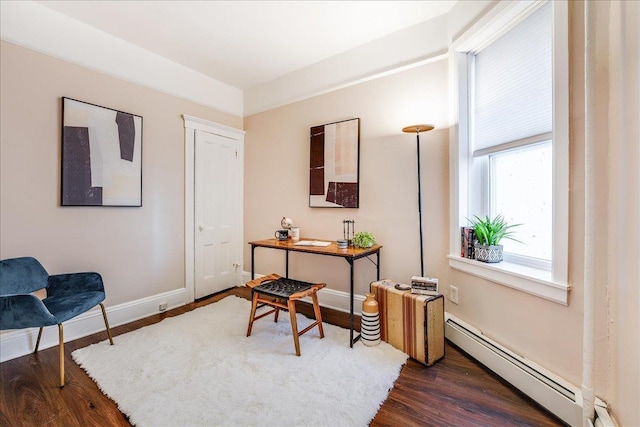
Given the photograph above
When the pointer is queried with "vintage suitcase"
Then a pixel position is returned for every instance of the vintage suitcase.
(410, 322)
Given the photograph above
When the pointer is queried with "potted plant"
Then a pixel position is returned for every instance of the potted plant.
(489, 233)
(363, 239)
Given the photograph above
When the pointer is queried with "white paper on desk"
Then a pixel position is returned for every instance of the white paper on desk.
(311, 243)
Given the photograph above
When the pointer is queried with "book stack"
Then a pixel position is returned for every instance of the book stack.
(424, 285)
(467, 242)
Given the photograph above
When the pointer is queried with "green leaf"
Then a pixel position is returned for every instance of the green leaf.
(364, 239)
(490, 232)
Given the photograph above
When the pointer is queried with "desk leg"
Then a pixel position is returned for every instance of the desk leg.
(286, 264)
(350, 261)
(351, 301)
(253, 271)
(378, 265)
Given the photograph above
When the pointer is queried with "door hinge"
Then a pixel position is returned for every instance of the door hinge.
(236, 154)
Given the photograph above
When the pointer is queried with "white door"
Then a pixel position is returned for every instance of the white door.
(216, 215)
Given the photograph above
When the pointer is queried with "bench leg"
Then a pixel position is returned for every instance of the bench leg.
(254, 305)
(294, 325)
(316, 310)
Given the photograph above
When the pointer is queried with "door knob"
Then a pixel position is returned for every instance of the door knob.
(200, 227)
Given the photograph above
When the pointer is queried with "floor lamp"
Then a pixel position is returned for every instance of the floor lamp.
(417, 129)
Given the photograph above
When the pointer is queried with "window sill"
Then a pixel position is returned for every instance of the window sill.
(526, 279)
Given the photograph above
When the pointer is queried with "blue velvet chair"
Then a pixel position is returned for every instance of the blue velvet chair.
(66, 296)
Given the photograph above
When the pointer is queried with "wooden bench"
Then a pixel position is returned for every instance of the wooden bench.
(281, 294)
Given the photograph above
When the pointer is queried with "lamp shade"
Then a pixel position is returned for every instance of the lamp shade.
(417, 128)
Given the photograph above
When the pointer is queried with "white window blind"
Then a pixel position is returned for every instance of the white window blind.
(512, 80)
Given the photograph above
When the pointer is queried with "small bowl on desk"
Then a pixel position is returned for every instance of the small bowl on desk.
(342, 244)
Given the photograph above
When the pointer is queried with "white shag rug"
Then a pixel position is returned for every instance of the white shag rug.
(200, 369)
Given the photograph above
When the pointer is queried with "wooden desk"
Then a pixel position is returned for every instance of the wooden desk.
(350, 254)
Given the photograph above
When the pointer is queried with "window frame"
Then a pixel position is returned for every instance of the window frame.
(549, 284)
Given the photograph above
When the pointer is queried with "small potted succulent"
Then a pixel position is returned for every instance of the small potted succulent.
(489, 233)
(363, 239)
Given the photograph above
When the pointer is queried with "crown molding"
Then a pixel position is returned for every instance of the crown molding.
(34, 26)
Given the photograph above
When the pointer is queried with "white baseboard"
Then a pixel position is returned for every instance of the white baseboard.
(555, 394)
(552, 392)
(329, 298)
(16, 343)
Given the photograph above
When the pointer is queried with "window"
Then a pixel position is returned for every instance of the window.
(521, 189)
(511, 114)
(512, 156)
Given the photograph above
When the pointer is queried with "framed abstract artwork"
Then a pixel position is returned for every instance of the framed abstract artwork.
(101, 156)
(334, 165)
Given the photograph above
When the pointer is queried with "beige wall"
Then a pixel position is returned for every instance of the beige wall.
(139, 251)
(548, 333)
(277, 177)
(618, 99)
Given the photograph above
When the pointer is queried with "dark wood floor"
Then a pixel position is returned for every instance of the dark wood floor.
(456, 391)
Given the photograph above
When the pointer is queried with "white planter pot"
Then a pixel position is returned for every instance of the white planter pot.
(488, 253)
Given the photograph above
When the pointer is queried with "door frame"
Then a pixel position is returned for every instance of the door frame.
(191, 124)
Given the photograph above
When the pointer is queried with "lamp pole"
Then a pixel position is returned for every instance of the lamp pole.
(417, 129)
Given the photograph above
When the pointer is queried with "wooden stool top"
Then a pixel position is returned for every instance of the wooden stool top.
(283, 288)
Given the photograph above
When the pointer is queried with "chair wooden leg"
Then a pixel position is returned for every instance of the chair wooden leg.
(38, 340)
(275, 319)
(106, 323)
(61, 348)
(254, 306)
(316, 310)
(294, 325)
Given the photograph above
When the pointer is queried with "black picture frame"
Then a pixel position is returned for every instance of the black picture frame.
(334, 165)
(101, 161)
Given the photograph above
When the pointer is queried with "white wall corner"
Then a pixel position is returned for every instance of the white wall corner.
(34, 26)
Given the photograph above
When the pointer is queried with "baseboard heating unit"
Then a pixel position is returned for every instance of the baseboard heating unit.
(550, 391)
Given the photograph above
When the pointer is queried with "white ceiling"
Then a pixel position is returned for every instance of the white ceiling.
(248, 43)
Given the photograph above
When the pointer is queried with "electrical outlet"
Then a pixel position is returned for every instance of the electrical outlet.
(162, 306)
(453, 294)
